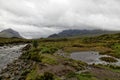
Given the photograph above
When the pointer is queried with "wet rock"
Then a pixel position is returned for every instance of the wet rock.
(6, 75)
(17, 71)
(27, 47)
(0, 77)
(13, 71)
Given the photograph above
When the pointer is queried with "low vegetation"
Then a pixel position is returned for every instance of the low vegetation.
(81, 76)
(113, 68)
(49, 65)
(116, 48)
(108, 59)
(7, 41)
(46, 76)
(49, 59)
(35, 43)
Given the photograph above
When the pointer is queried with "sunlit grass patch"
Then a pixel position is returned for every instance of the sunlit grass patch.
(81, 76)
(49, 59)
(116, 48)
(32, 75)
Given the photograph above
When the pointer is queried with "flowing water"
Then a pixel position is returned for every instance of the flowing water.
(9, 53)
(91, 57)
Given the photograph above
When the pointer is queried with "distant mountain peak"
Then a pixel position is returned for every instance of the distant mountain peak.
(9, 30)
(10, 33)
(80, 33)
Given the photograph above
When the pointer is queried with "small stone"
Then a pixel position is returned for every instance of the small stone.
(6, 75)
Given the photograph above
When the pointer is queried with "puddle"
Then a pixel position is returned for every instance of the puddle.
(91, 57)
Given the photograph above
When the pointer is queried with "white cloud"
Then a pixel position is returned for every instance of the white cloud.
(44, 17)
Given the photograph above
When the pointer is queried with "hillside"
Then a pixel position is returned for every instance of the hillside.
(81, 33)
(10, 33)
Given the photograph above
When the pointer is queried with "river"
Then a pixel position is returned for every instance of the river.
(8, 54)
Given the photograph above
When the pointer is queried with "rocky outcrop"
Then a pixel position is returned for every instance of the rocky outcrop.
(27, 47)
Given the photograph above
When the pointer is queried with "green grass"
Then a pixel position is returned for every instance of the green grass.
(45, 76)
(81, 76)
(108, 59)
(113, 68)
(85, 76)
(32, 75)
(116, 48)
(50, 50)
(6, 41)
(49, 59)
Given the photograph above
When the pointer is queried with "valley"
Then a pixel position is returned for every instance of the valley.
(64, 58)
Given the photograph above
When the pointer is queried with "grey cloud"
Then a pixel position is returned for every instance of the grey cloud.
(44, 17)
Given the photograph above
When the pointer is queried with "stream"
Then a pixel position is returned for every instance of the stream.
(8, 54)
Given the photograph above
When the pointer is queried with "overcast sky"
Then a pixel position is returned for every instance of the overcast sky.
(33, 18)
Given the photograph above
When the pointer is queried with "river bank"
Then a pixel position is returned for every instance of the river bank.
(59, 65)
(21, 67)
(10, 53)
(11, 65)
(16, 70)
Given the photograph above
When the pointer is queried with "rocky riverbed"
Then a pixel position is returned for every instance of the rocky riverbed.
(9, 54)
(16, 70)
(11, 65)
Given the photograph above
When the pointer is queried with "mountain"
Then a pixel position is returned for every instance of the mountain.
(10, 33)
(80, 33)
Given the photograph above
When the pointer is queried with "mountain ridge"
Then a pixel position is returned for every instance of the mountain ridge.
(80, 33)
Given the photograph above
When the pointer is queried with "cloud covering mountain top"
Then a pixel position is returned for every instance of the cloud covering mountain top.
(44, 17)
